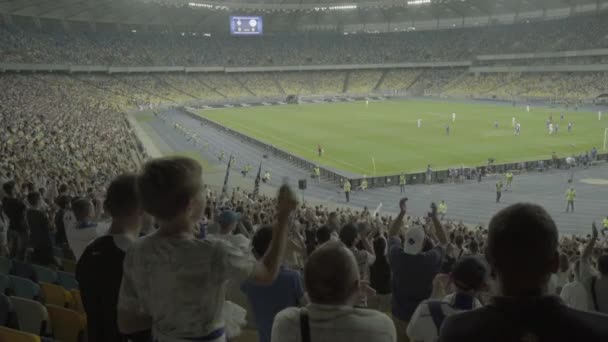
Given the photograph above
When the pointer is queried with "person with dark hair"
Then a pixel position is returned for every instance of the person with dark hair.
(468, 276)
(63, 202)
(267, 301)
(322, 235)
(380, 275)
(351, 236)
(522, 249)
(40, 231)
(14, 209)
(99, 269)
(174, 283)
(85, 228)
(596, 285)
(473, 247)
(414, 264)
(332, 282)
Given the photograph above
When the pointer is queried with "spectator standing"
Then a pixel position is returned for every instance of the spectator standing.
(523, 251)
(267, 301)
(574, 293)
(351, 237)
(14, 209)
(468, 277)
(332, 283)
(179, 292)
(99, 269)
(63, 202)
(40, 231)
(84, 230)
(596, 283)
(380, 275)
(413, 266)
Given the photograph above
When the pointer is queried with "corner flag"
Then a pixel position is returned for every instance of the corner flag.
(225, 187)
(256, 186)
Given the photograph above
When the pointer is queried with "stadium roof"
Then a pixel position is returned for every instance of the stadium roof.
(289, 15)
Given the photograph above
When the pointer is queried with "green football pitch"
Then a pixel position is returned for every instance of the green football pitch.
(355, 136)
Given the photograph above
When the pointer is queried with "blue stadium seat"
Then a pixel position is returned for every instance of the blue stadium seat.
(24, 270)
(44, 274)
(6, 265)
(6, 310)
(5, 283)
(67, 280)
(24, 288)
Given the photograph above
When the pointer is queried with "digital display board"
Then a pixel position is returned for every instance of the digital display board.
(246, 25)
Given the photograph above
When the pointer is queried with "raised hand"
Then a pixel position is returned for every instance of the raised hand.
(433, 212)
(287, 201)
(403, 205)
(594, 232)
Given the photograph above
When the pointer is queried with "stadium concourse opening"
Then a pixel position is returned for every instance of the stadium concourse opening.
(283, 171)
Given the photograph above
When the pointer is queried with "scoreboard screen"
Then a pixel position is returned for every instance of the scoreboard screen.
(245, 25)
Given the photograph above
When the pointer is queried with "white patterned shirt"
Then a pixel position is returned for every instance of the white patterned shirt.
(181, 283)
(334, 323)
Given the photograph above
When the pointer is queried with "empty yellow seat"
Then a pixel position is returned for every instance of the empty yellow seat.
(77, 301)
(56, 295)
(12, 335)
(68, 265)
(67, 325)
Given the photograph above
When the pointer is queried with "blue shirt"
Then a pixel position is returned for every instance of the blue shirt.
(413, 276)
(267, 301)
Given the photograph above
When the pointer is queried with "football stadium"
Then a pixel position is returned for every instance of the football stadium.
(293, 170)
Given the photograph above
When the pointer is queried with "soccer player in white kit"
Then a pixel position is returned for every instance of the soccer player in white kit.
(419, 123)
(513, 122)
(599, 115)
(453, 117)
(366, 103)
(550, 128)
(528, 108)
(517, 129)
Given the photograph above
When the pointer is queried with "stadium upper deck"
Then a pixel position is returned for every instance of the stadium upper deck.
(192, 49)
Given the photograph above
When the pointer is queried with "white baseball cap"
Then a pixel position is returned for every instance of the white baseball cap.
(414, 240)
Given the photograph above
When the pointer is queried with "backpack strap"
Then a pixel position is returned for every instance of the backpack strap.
(304, 326)
(436, 313)
(593, 294)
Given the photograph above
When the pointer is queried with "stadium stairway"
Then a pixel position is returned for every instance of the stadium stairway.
(244, 86)
(380, 80)
(346, 82)
(278, 84)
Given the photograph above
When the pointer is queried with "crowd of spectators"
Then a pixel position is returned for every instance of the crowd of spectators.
(191, 49)
(563, 86)
(344, 270)
(66, 148)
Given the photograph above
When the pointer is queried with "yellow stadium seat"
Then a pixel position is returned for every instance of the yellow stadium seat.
(77, 301)
(67, 325)
(12, 335)
(68, 265)
(56, 295)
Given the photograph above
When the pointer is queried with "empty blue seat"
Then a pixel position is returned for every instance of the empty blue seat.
(67, 280)
(25, 288)
(6, 265)
(44, 274)
(6, 310)
(24, 270)
(5, 283)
